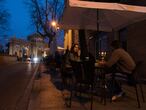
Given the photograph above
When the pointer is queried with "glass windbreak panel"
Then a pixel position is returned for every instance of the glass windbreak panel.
(127, 2)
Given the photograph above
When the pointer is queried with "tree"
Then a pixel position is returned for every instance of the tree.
(4, 17)
(42, 13)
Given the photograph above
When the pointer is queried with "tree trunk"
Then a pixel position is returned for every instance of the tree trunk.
(53, 46)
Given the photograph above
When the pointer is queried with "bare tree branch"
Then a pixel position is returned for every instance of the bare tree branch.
(42, 13)
(4, 17)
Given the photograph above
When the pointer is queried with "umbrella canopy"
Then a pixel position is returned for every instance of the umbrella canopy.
(108, 20)
(127, 5)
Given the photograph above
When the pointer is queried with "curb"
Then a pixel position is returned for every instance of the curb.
(23, 101)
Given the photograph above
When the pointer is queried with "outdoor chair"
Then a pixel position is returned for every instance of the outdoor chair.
(132, 80)
(100, 84)
(66, 74)
(89, 76)
(83, 78)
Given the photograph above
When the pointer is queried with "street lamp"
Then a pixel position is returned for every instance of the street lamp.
(55, 28)
(53, 23)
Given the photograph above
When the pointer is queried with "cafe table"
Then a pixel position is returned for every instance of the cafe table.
(100, 80)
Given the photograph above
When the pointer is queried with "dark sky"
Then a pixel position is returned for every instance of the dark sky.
(19, 21)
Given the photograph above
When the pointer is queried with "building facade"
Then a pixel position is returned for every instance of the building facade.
(34, 47)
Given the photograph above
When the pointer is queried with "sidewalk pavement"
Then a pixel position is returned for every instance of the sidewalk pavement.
(46, 96)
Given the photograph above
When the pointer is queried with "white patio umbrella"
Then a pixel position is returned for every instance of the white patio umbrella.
(113, 17)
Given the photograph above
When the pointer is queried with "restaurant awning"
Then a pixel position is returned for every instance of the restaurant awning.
(108, 20)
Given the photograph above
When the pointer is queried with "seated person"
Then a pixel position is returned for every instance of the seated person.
(120, 61)
(75, 53)
(66, 68)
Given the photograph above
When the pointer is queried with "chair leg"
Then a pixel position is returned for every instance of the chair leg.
(103, 94)
(141, 89)
(137, 96)
(112, 86)
(70, 100)
(104, 88)
(71, 94)
(104, 99)
(91, 107)
(80, 88)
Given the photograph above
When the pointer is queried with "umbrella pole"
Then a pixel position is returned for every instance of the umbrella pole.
(97, 36)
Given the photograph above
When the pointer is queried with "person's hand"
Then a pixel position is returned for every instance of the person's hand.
(79, 53)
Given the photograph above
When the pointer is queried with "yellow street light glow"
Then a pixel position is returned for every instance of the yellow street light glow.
(53, 23)
(58, 28)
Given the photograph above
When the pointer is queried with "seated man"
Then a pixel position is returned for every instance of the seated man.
(120, 61)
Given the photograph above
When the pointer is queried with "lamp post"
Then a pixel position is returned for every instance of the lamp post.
(53, 45)
(55, 25)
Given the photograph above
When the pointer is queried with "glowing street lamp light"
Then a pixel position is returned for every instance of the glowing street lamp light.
(53, 23)
(57, 27)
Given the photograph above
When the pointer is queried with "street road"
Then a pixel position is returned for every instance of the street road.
(14, 79)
